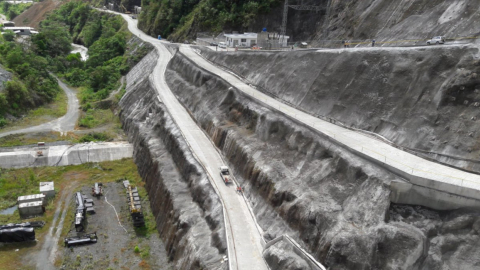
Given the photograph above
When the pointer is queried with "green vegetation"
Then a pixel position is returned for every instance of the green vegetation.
(106, 39)
(13, 10)
(95, 137)
(42, 114)
(27, 139)
(175, 19)
(31, 85)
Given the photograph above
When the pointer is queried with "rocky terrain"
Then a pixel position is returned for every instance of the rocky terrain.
(188, 212)
(423, 99)
(334, 203)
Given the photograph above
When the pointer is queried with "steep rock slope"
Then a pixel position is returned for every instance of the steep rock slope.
(188, 212)
(399, 20)
(298, 182)
(383, 20)
(426, 99)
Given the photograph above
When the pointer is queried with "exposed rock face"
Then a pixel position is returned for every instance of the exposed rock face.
(424, 99)
(4, 77)
(334, 203)
(452, 236)
(188, 212)
(282, 256)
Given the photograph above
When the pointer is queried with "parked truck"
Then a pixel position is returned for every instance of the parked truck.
(225, 174)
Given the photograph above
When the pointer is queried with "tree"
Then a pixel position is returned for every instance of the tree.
(8, 35)
(53, 40)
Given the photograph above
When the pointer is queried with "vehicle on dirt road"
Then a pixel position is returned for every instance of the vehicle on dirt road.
(225, 174)
(436, 40)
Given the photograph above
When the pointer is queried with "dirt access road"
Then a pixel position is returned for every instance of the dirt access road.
(46, 256)
(63, 124)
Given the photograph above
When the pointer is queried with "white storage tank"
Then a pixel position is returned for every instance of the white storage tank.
(47, 189)
(32, 198)
(30, 209)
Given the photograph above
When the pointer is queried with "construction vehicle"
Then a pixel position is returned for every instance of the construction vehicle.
(225, 174)
(80, 213)
(135, 206)
(85, 239)
(97, 190)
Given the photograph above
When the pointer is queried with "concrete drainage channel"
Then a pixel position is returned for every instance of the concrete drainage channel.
(63, 155)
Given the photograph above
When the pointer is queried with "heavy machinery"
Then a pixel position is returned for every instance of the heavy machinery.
(225, 174)
(135, 206)
(85, 239)
(80, 213)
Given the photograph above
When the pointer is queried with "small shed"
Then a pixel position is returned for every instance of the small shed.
(32, 198)
(30, 209)
(47, 189)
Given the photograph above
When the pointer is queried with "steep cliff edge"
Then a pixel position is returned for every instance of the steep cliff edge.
(426, 99)
(188, 212)
(298, 182)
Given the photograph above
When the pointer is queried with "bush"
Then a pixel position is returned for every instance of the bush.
(3, 122)
(95, 137)
(137, 250)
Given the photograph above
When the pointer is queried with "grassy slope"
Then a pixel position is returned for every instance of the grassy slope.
(42, 114)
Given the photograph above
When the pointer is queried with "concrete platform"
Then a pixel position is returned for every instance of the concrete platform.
(64, 155)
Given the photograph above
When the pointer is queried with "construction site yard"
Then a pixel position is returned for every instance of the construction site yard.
(115, 248)
(119, 245)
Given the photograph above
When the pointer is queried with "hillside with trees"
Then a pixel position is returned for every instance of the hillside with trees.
(179, 20)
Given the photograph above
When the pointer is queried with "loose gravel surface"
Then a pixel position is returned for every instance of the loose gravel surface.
(115, 248)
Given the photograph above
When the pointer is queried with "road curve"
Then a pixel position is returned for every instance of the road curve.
(245, 243)
(63, 124)
(417, 170)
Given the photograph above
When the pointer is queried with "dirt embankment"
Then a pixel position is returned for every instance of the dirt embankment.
(299, 183)
(36, 13)
(188, 212)
(426, 99)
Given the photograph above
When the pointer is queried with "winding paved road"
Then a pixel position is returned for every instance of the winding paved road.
(245, 244)
(63, 124)
(417, 170)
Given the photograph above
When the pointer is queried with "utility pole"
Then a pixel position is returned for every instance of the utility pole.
(283, 30)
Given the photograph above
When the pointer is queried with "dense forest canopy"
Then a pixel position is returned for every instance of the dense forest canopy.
(179, 19)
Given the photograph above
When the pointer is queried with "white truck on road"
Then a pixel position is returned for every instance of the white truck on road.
(225, 174)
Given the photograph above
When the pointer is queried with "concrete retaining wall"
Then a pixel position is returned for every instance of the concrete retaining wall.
(66, 155)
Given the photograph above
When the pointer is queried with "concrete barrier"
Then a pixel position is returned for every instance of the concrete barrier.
(64, 155)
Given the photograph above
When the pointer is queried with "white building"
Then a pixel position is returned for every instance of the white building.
(264, 39)
(31, 209)
(21, 30)
(32, 198)
(47, 189)
(241, 40)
